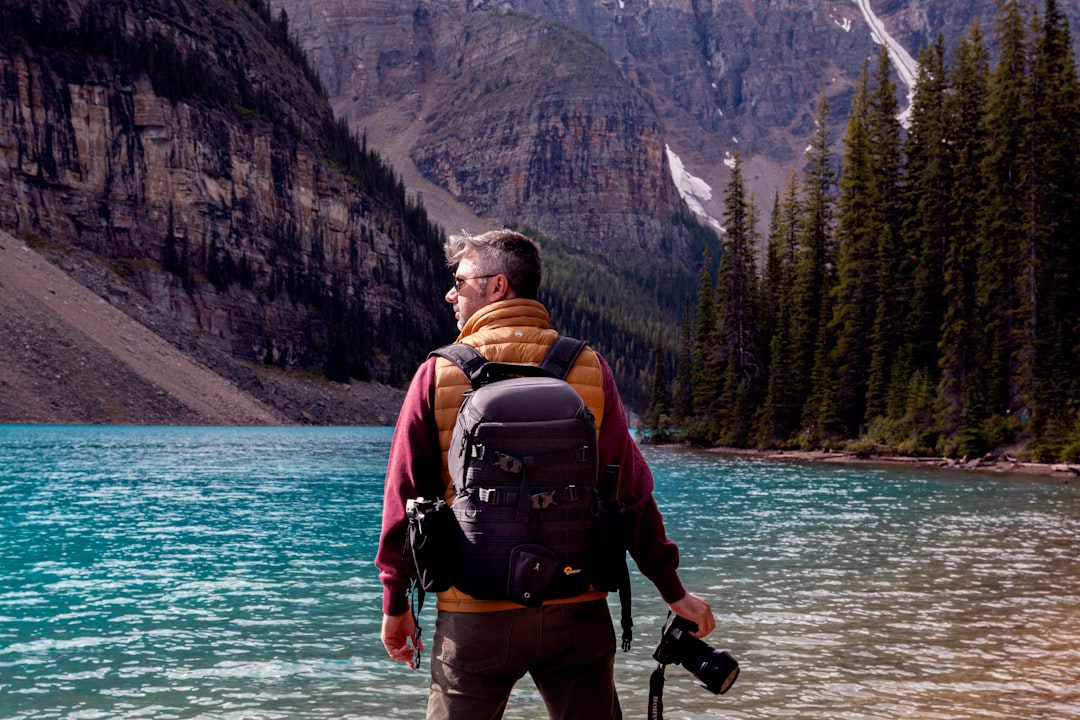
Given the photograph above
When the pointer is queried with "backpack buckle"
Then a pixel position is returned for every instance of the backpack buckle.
(543, 500)
(509, 463)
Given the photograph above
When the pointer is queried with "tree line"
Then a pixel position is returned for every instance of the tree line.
(920, 292)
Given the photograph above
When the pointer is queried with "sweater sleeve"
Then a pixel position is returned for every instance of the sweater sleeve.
(413, 464)
(656, 556)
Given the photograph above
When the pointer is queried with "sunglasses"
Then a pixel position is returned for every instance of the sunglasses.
(459, 282)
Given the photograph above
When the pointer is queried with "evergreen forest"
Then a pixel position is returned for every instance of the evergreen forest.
(917, 292)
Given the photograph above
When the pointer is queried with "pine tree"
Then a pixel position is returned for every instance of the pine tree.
(769, 301)
(926, 196)
(705, 371)
(814, 276)
(779, 415)
(683, 401)
(967, 141)
(892, 285)
(657, 418)
(852, 321)
(1051, 267)
(739, 359)
(1001, 222)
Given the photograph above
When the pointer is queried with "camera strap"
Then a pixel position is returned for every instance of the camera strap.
(416, 605)
(656, 693)
(626, 619)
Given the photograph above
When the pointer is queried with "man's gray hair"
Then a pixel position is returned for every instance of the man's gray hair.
(500, 252)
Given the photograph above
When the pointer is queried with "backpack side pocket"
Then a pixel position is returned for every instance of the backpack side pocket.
(432, 543)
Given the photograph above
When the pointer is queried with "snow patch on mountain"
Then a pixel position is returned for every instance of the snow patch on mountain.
(906, 66)
(693, 189)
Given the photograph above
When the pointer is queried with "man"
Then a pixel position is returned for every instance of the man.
(482, 647)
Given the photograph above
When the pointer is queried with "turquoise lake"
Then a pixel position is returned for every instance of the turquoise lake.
(163, 572)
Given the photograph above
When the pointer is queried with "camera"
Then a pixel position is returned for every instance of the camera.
(717, 669)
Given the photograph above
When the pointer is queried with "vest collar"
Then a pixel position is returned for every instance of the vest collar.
(504, 313)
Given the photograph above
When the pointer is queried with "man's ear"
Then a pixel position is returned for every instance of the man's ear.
(499, 288)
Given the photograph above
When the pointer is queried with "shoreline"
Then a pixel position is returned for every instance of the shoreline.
(998, 464)
(83, 350)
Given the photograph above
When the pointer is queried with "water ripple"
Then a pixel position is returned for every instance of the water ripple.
(227, 573)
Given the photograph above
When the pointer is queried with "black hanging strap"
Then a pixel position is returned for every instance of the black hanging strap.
(626, 620)
(656, 694)
(416, 606)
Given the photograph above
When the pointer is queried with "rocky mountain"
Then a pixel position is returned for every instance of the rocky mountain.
(507, 115)
(183, 159)
(556, 111)
(191, 147)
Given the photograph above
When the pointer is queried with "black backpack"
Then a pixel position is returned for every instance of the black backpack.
(529, 521)
(523, 461)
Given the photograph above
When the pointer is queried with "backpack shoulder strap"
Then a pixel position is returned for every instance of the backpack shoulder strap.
(480, 371)
(562, 355)
(464, 356)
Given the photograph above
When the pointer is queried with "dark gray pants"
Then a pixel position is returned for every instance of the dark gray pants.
(569, 650)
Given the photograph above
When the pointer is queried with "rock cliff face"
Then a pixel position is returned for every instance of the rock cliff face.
(474, 92)
(556, 138)
(514, 116)
(224, 213)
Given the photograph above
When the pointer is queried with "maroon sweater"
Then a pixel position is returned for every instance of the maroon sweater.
(414, 455)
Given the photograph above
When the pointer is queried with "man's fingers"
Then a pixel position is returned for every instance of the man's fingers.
(401, 654)
(404, 653)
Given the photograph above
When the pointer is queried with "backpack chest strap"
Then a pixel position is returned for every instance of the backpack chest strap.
(537, 501)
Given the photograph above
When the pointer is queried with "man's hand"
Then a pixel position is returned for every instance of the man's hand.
(692, 608)
(400, 639)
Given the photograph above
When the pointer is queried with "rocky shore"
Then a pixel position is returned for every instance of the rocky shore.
(79, 348)
(994, 462)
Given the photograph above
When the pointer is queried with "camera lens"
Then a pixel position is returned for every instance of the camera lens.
(716, 668)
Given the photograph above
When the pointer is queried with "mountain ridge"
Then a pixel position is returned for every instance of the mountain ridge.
(223, 220)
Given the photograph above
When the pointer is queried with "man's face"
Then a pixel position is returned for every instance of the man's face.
(469, 291)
